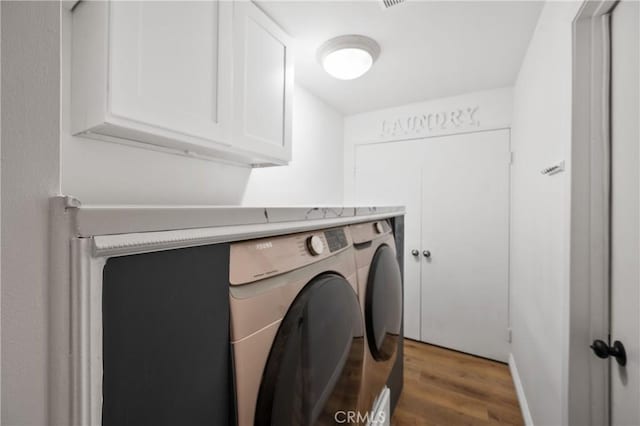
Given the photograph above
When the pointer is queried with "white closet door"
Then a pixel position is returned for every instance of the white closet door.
(625, 200)
(456, 193)
(389, 174)
(465, 227)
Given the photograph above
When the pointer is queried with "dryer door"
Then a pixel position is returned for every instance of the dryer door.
(383, 304)
(314, 369)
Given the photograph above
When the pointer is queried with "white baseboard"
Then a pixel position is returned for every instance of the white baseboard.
(522, 399)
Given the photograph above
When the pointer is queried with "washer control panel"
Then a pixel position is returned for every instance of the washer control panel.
(336, 239)
(254, 260)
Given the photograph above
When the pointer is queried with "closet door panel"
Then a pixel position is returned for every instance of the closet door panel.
(465, 229)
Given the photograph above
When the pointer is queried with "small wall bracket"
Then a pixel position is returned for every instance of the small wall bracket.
(552, 170)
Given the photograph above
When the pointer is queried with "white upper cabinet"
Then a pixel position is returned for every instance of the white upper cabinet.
(166, 75)
(263, 93)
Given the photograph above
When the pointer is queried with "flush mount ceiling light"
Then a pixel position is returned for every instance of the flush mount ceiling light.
(349, 56)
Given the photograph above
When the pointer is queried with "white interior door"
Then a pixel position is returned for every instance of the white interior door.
(465, 227)
(389, 173)
(625, 199)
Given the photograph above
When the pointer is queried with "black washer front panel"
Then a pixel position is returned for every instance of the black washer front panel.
(383, 304)
(315, 365)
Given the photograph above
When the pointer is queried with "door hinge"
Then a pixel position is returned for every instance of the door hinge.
(510, 157)
(509, 334)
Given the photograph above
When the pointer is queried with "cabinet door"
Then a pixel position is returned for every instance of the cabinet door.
(263, 86)
(170, 67)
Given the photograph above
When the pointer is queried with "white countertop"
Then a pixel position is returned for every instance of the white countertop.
(95, 220)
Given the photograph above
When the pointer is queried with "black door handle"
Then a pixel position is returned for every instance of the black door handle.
(604, 351)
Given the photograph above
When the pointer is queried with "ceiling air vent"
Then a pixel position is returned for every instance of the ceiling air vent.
(386, 4)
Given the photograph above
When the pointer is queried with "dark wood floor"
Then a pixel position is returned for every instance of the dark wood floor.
(443, 387)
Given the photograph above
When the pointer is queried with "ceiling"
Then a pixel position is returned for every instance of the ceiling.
(429, 49)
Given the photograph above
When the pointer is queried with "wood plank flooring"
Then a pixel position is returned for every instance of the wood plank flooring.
(444, 387)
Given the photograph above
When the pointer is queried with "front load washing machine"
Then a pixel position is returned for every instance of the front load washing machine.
(297, 332)
(380, 295)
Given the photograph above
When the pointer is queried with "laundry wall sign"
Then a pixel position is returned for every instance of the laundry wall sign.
(434, 122)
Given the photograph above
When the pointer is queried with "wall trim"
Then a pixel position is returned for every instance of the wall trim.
(522, 399)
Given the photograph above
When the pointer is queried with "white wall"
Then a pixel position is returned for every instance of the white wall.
(471, 112)
(541, 136)
(30, 175)
(314, 176)
(98, 172)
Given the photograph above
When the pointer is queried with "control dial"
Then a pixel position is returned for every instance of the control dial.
(315, 245)
(379, 227)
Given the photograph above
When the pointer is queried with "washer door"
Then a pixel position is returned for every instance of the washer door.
(315, 366)
(383, 304)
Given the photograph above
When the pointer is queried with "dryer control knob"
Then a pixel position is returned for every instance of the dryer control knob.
(379, 227)
(315, 245)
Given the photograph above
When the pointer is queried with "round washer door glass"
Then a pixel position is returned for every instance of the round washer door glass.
(315, 365)
(383, 304)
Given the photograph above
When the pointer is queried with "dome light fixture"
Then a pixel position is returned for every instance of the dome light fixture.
(348, 57)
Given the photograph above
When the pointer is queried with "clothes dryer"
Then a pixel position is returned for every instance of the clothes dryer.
(380, 296)
(297, 332)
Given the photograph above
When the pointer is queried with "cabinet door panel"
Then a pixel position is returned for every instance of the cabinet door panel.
(264, 82)
(168, 65)
(264, 85)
